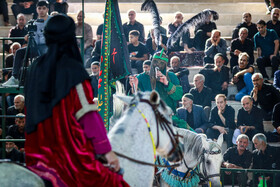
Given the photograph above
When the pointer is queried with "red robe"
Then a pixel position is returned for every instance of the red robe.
(63, 147)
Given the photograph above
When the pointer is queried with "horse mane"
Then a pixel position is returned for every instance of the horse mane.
(192, 142)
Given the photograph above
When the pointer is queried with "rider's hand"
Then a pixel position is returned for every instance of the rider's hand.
(113, 161)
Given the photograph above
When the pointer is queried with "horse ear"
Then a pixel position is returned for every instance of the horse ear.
(126, 99)
(154, 97)
(220, 140)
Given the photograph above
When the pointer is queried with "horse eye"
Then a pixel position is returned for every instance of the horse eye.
(208, 162)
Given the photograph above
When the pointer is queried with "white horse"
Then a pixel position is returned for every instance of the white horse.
(130, 136)
(201, 154)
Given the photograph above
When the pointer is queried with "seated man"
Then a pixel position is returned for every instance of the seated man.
(265, 157)
(39, 38)
(132, 24)
(249, 119)
(11, 152)
(242, 76)
(239, 158)
(216, 76)
(17, 130)
(276, 81)
(151, 43)
(202, 95)
(267, 45)
(192, 114)
(246, 23)
(165, 83)
(137, 50)
(202, 33)
(17, 108)
(9, 60)
(4, 11)
(264, 95)
(213, 46)
(276, 123)
(178, 20)
(221, 120)
(274, 23)
(241, 45)
(88, 35)
(25, 7)
(181, 73)
(95, 67)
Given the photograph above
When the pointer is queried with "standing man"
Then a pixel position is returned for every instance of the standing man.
(249, 119)
(264, 95)
(88, 35)
(59, 106)
(239, 158)
(132, 24)
(267, 45)
(221, 120)
(95, 67)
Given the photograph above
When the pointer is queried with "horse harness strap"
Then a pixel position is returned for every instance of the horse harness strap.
(149, 129)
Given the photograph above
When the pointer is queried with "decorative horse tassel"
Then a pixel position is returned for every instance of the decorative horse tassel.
(150, 5)
(200, 17)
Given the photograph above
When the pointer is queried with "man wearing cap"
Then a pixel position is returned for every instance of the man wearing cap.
(165, 83)
(193, 114)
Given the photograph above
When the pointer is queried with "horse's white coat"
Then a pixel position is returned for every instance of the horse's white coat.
(194, 144)
(130, 136)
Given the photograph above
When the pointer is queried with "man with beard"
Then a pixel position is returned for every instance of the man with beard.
(241, 45)
(181, 73)
(239, 158)
(213, 46)
(17, 108)
(17, 131)
(216, 76)
(164, 82)
(274, 23)
(249, 119)
(192, 114)
(95, 67)
(11, 152)
(264, 95)
(242, 76)
(246, 23)
(267, 45)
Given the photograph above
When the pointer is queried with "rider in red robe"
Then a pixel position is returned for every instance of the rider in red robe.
(63, 128)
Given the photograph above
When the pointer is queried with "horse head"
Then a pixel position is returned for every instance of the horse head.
(211, 160)
(162, 130)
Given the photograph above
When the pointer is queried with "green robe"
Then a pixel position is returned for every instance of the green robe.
(170, 94)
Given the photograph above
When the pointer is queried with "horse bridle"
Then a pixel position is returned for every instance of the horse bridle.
(164, 124)
(204, 176)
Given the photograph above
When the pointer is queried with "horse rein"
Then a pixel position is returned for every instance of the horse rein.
(164, 124)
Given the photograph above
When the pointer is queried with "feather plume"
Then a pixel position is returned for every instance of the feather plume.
(200, 17)
(150, 6)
